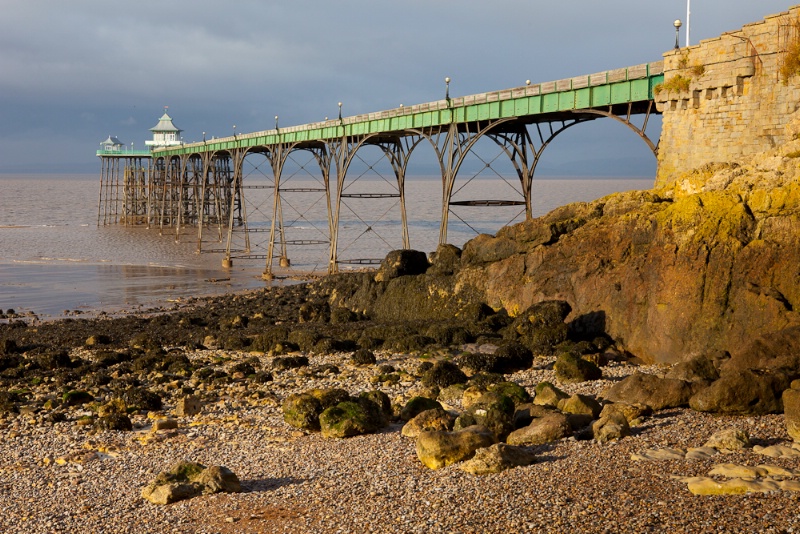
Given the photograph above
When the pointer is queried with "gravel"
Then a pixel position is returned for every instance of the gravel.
(63, 478)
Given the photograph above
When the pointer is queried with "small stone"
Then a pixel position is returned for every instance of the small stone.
(659, 454)
(188, 406)
(164, 424)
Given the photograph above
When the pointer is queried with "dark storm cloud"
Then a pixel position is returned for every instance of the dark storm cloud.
(75, 72)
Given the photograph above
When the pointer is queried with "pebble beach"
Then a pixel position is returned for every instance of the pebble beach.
(67, 477)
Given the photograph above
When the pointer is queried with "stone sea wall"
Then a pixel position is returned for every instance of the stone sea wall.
(725, 99)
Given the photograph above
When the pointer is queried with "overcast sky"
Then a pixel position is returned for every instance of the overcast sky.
(73, 72)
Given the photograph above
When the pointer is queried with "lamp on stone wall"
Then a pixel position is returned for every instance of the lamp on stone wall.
(677, 25)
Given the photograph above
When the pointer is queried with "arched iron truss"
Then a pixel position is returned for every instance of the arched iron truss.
(207, 189)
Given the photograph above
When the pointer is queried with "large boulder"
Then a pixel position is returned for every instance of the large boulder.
(302, 410)
(499, 457)
(435, 419)
(571, 368)
(491, 410)
(729, 440)
(551, 427)
(546, 394)
(508, 358)
(633, 413)
(446, 260)
(351, 418)
(541, 326)
(650, 390)
(402, 263)
(526, 413)
(697, 369)
(440, 449)
(610, 427)
(443, 374)
(185, 480)
(579, 404)
(743, 392)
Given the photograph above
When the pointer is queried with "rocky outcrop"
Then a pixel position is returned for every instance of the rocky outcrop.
(707, 263)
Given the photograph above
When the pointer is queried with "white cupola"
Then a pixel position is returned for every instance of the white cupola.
(165, 133)
(112, 144)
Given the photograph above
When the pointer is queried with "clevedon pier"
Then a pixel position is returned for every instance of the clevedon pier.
(205, 190)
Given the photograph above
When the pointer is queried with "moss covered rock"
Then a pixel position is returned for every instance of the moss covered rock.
(185, 480)
(443, 374)
(351, 418)
(570, 369)
(417, 405)
(546, 394)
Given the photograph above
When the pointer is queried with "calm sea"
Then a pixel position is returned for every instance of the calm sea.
(55, 258)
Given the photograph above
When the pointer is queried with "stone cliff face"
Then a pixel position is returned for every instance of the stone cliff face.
(710, 262)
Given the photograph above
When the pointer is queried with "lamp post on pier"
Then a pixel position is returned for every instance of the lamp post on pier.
(447, 88)
(677, 25)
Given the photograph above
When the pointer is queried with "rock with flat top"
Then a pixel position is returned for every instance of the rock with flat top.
(551, 427)
(499, 457)
(435, 419)
(440, 449)
(650, 390)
